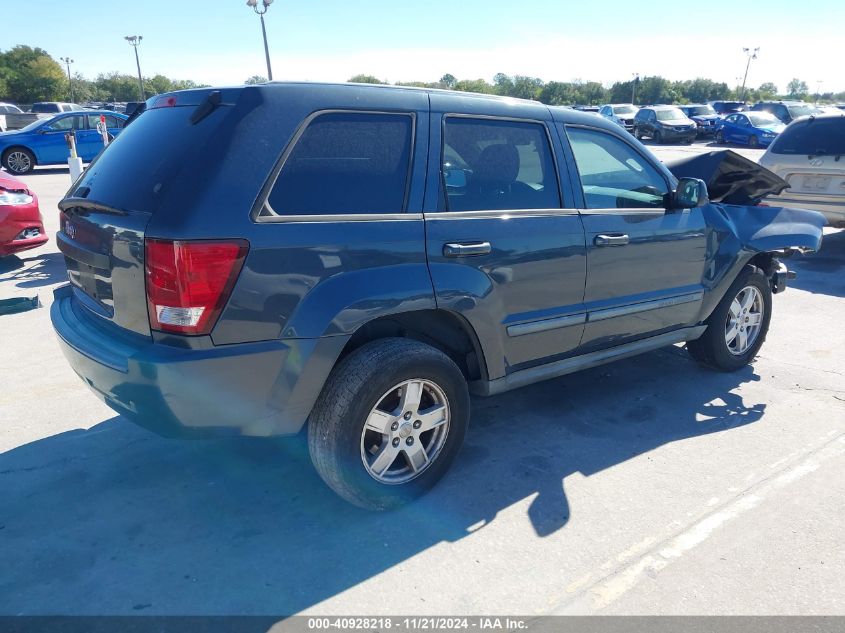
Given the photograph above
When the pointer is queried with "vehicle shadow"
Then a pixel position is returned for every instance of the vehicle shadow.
(822, 272)
(43, 171)
(113, 520)
(41, 269)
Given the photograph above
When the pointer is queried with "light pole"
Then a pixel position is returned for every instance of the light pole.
(634, 83)
(68, 61)
(266, 4)
(135, 42)
(751, 54)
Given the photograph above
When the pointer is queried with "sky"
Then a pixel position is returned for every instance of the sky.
(218, 42)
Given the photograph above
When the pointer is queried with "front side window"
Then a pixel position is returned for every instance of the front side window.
(64, 124)
(496, 165)
(613, 174)
(346, 162)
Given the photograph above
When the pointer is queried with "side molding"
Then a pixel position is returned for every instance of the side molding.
(577, 363)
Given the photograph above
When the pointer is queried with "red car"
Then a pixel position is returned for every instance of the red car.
(21, 224)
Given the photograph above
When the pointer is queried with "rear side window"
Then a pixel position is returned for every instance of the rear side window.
(346, 162)
(813, 137)
(613, 174)
(495, 165)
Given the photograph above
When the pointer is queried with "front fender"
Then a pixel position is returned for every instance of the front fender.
(736, 233)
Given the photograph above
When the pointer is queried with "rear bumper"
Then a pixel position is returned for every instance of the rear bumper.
(256, 389)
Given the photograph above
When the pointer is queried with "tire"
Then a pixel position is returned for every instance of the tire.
(753, 142)
(18, 160)
(345, 449)
(720, 137)
(637, 134)
(713, 349)
(658, 137)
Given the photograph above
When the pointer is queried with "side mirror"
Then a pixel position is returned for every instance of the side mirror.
(691, 192)
(456, 178)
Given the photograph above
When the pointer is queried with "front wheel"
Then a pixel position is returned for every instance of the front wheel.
(389, 422)
(753, 142)
(658, 137)
(720, 137)
(19, 160)
(738, 326)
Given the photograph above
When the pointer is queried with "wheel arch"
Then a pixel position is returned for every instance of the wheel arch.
(443, 329)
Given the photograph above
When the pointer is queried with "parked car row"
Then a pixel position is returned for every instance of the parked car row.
(42, 142)
(726, 121)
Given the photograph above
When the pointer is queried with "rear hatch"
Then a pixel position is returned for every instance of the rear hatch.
(106, 213)
(808, 155)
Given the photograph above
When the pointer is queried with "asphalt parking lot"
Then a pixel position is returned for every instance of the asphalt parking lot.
(647, 486)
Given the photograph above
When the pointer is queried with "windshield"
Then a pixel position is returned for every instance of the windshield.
(802, 110)
(670, 114)
(625, 109)
(763, 119)
(701, 110)
(816, 137)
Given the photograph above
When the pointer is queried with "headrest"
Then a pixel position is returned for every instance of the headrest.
(497, 165)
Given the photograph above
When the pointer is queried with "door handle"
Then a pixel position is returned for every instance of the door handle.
(616, 239)
(466, 250)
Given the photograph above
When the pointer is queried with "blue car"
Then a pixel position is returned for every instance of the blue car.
(755, 129)
(42, 142)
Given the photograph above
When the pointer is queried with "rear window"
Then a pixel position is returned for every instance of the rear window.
(45, 107)
(346, 162)
(821, 137)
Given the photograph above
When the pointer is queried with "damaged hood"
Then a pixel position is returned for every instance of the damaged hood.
(730, 178)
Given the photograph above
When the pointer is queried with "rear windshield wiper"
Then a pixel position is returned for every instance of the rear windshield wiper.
(206, 106)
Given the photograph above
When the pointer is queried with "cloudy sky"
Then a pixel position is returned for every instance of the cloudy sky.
(219, 41)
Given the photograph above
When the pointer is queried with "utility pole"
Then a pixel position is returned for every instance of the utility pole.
(135, 42)
(266, 4)
(751, 54)
(634, 83)
(68, 61)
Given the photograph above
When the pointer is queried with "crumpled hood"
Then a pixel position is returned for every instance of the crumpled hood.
(730, 178)
(767, 229)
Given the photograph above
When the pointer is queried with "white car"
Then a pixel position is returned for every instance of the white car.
(620, 113)
(810, 155)
(7, 108)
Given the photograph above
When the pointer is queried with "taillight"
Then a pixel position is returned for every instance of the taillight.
(189, 282)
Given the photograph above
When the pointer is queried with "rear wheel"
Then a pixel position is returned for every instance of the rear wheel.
(389, 422)
(18, 160)
(738, 326)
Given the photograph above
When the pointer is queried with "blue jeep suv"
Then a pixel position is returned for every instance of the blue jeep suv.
(361, 258)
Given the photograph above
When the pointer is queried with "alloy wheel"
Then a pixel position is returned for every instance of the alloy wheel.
(744, 320)
(18, 162)
(405, 431)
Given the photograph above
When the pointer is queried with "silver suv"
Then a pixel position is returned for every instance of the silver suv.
(808, 155)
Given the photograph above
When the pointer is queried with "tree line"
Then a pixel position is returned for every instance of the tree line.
(30, 74)
(645, 90)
